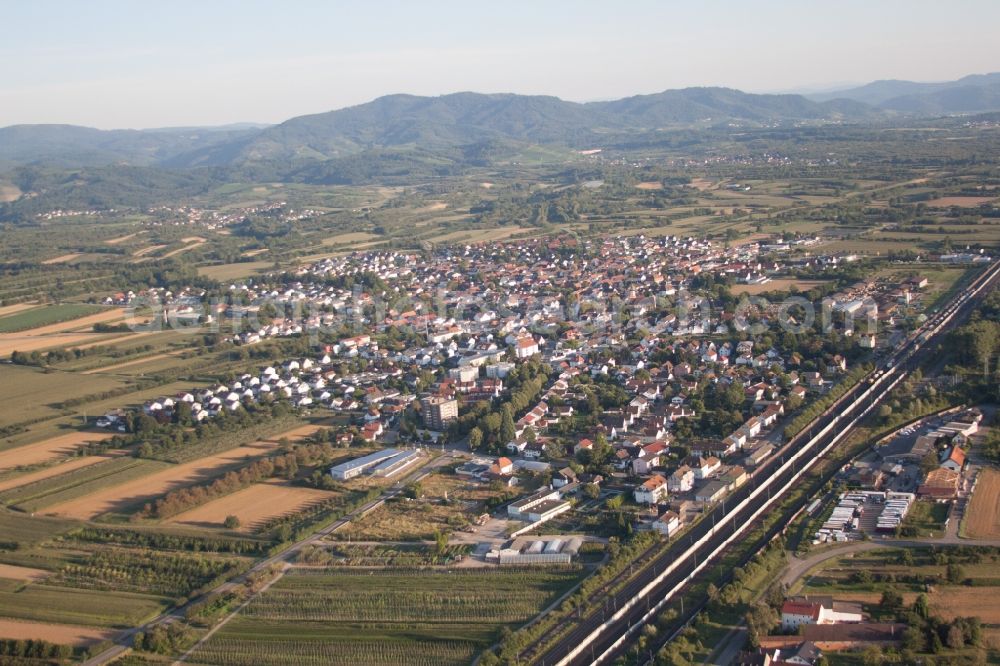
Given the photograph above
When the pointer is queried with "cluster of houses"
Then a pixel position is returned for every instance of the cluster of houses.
(212, 219)
(467, 316)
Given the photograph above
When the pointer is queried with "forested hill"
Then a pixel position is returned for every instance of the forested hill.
(448, 121)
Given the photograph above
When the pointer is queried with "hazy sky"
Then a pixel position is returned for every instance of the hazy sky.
(140, 63)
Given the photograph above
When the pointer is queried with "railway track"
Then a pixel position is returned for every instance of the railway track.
(601, 635)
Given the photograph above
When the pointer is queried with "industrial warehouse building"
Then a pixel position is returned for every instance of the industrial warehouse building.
(381, 463)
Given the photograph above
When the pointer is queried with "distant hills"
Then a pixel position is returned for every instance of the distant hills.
(406, 120)
(401, 138)
(454, 121)
(976, 93)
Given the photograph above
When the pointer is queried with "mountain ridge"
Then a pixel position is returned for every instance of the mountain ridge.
(394, 120)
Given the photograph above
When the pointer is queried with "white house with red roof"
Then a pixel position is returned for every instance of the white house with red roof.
(652, 491)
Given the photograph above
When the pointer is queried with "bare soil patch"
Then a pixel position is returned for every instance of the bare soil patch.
(148, 488)
(63, 634)
(122, 239)
(982, 518)
(9, 192)
(649, 185)
(54, 470)
(39, 452)
(12, 572)
(63, 258)
(146, 250)
(183, 249)
(253, 505)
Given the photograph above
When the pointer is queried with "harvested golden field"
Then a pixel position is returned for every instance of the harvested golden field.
(982, 517)
(12, 572)
(54, 470)
(32, 454)
(63, 634)
(951, 602)
(24, 342)
(650, 185)
(961, 202)
(147, 488)
(252, 505)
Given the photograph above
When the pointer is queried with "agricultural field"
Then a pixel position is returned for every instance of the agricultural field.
(47, 450)
(27, 531)
(30, 394)
(253, 506)
(235, 271)
(982, 516)
(63, 634)
(68, 605)
(12, 572)
(421, 617)
(8, 481)
(44, 317)
(128, 493)
(78, 483)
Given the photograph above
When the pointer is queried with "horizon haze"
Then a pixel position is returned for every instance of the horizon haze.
(111, 65)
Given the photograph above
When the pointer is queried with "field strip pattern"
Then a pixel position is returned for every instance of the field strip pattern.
(49, 449)
(48, 472)
(136, 492)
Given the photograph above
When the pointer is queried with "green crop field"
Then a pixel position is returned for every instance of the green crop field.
(84, 607)
(30, 394)
(384, 617)
(29, 530)
(43, 316)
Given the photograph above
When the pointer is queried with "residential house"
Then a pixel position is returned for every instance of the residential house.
(652, 491)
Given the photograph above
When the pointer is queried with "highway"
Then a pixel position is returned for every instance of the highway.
(602, 635)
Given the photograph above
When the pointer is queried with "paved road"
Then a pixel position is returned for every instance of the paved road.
(124, 641)
(731, 645)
